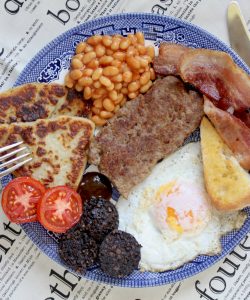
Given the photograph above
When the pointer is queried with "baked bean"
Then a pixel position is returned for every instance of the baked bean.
(140, 38)
(124, 67)
(146, 87)
(106, 114)
(69, 82)
(87, 93)
(145, 77)
(152, 74)
(119, 99)
(105, 60)
(99, 93)
(119, 55)
(94, 40)
(100, 50)
(78, 87)
(113, 95)
(93, 64)
(127, 76)
(96, 110)
(105, 81)
(98, 103)
(133, 63)
(141, 49)
(79, 56)
(133, 86)
(80, 47)
(97, 84)
(110, 87)
(108, 104)
(133, 95)
(75, 74)
(110, 71)
(115, 44)
(116, 63)
(133, 39)
(107, 40)
(124, 90)
(97, 73)
(87, 72)
(85, 81)
(88, 57)
(88, 48)
(76, 63)
(118, 86)
(96, 95)
(125, 43)
(130, 51)
(117, 78)
(143, 62)
(98, 120)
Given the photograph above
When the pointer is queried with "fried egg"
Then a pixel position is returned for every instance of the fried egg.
(170, 214)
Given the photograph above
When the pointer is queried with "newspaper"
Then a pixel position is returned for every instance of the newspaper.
(25, 272)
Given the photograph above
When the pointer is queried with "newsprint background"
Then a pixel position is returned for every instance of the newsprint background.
(27, 274)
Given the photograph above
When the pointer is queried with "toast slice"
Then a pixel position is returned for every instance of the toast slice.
(227, 183)
(58, 147)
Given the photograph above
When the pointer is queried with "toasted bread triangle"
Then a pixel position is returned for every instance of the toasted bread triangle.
(227, 183)
(58, 147)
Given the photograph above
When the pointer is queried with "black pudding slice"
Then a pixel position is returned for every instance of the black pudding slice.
(119, 254)
(78, 249)
(100, 217)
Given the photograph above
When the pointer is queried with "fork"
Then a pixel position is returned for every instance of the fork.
(13, 163)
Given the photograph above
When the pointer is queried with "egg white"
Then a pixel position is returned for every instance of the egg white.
(160, 250)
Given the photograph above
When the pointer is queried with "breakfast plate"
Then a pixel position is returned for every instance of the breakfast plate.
(51, 64)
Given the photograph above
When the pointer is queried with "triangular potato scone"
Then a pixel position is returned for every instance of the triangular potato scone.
(58, 147)
(227, 183)
(32, 101)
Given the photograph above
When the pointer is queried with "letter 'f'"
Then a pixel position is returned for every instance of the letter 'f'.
(203, 293)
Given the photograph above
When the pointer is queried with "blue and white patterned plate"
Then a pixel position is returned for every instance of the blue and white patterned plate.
(54, 60)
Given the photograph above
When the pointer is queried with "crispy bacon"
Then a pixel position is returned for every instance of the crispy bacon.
(166, 63)
(232, 130)
(244, 116)
(215, 75)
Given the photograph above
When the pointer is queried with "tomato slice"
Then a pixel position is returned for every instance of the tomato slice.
(59, 209)
(20, 198)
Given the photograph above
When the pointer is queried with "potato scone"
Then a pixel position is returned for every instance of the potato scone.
(227, 183)
(144, 131)
(32, 101)
(58, 147)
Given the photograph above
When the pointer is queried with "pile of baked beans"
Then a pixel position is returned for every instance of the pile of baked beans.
(110, 70)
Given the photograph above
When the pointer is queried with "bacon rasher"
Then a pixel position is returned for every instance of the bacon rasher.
(215, 75)
(166, 63)
(232, 130)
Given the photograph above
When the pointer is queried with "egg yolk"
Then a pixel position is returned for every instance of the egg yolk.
(181, 207)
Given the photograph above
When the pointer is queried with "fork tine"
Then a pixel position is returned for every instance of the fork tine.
(9, 162)
(8, 171)
(2, 158)
(10, 146)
